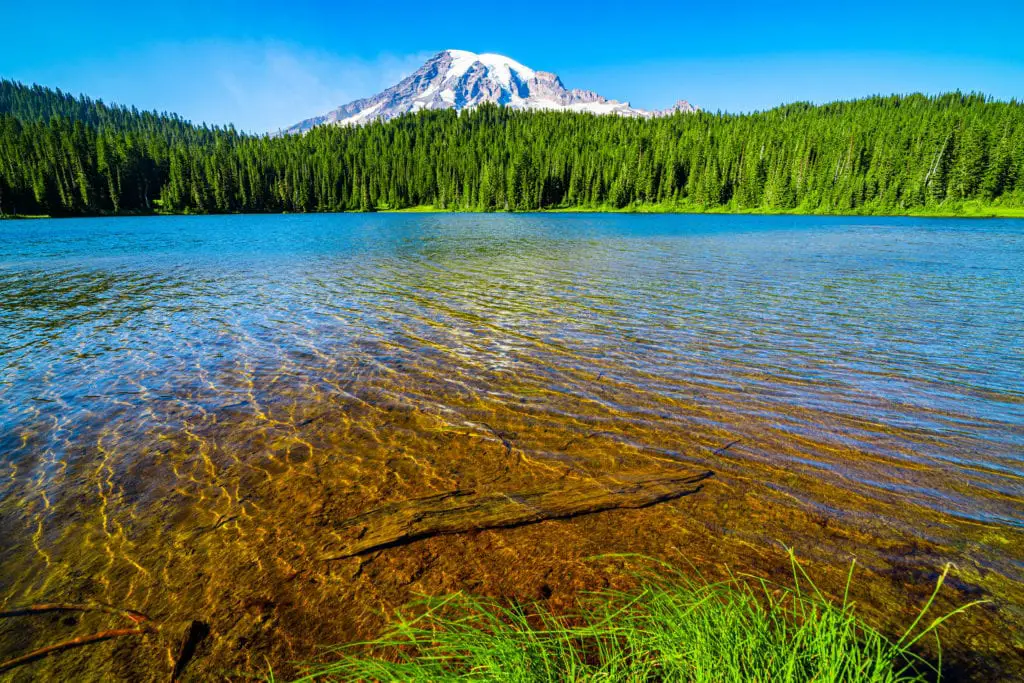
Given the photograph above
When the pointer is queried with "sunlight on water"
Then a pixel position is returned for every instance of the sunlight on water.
(189, 406)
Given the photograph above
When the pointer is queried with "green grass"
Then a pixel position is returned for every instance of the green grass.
(670, 628)
(973, 209)
(968, 209)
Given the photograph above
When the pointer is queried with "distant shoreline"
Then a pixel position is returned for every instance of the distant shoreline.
(966, 211)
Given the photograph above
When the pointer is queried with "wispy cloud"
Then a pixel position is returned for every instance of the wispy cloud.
(274, 85)
(258, 86)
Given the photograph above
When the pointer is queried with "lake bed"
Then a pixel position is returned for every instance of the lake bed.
(192, 409)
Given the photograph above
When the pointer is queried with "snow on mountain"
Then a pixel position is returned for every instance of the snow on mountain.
(457, 79)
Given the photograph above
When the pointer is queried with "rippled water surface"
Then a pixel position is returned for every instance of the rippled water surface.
(188, 404)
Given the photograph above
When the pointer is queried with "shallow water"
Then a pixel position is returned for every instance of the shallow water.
(188, 404)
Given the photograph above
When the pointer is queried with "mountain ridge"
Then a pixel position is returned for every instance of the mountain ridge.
(459, 79)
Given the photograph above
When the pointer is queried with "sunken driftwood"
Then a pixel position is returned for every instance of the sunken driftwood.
(456, 512)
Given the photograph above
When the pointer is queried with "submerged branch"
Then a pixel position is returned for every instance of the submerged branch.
(193, 633)
(68, 644)
(42, 608)
(461, 511)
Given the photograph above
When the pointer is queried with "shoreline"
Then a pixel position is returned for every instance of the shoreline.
(644, 209)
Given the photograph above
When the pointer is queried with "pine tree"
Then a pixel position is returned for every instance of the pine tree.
(66, 155)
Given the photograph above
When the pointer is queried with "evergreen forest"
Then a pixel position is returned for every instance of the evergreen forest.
(62, 155)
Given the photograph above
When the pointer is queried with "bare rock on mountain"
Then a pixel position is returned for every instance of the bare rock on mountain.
(456, 79)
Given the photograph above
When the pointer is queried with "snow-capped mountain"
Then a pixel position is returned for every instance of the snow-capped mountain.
(456, 79)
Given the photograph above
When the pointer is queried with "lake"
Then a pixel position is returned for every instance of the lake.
(190, 406)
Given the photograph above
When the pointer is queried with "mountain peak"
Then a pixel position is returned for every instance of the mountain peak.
(463, 60)
(459, 79)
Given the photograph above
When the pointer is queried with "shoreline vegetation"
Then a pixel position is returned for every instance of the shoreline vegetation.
(953, 154)
(667, 627)
(971, 210)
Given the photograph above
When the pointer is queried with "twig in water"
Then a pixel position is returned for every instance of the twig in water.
(311, 420)
(137, 617)
(726, 447)
(68, 644)
(502, 437)
(602, 432)
(142, 622)
(193, 634)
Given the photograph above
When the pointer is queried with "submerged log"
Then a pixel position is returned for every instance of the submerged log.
(456, 512)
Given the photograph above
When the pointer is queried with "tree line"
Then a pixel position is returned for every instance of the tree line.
(63, 155)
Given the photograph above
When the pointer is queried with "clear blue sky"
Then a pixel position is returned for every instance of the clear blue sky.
(264, 65)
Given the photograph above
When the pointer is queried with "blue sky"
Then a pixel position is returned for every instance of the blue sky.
(264, 65)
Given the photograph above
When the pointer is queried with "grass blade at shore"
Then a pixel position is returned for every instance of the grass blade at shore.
(670, 628)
